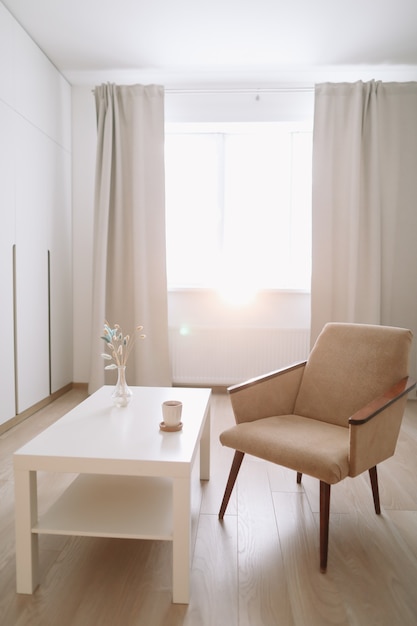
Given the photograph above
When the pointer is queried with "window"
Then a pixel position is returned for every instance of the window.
(238, 203)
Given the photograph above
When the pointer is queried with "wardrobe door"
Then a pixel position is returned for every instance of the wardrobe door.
(35, 231)
(33, 186)
(60, 256)
(7, 240)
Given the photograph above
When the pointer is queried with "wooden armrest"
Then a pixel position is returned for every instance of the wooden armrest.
(271, 394)
(374, 407)
(265, 377)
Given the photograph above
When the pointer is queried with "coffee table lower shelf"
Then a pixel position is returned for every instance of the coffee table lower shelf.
(99, 505)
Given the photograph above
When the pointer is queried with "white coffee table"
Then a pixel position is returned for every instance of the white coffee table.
(134, 480)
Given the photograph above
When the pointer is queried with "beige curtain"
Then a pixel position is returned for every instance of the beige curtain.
(364, 259)
(129, 270)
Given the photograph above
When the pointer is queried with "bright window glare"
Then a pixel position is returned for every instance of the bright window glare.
(193, 211)
(238, 208)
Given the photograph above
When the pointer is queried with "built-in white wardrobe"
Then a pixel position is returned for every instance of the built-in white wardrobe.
(35, 224)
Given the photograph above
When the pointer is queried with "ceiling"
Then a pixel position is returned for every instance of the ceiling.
(250, 39)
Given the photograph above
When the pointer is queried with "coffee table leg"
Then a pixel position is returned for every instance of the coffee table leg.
(181, 540)
(205, 450)
(26, 516)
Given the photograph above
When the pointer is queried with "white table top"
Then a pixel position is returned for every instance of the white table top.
(97, 437)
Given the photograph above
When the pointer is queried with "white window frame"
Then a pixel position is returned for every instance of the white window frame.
(247, 128)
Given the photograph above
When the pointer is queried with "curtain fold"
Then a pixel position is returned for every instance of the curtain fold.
(129, 258)
(364, 228)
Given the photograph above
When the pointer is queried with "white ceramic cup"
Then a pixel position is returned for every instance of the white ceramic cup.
(171, 411)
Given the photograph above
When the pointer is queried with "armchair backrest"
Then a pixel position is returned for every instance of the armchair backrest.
(350, 365)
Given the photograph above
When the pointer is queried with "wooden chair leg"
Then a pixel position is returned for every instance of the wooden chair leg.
(234, 470)
(299, 477)
(375, 490)
(324, 524)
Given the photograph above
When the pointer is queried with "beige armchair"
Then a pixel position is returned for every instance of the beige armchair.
(338, 414)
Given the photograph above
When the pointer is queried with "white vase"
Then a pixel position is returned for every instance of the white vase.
(122, 394)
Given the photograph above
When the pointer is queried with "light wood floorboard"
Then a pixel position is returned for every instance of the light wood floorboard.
(259, 567)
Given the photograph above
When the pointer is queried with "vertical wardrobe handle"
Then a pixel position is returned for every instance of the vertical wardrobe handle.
(49, 323)
(16, 381)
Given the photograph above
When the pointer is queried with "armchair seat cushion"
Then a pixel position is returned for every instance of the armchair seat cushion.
(306, 445)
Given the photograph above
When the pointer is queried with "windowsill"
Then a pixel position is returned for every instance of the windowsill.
(206, 290)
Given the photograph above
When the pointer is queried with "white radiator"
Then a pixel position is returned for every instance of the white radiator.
(210, 356)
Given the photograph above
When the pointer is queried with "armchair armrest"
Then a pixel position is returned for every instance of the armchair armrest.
(271, 394)
(374, 429)
(394, 393)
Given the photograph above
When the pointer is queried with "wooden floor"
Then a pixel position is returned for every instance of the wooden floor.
(259, 567)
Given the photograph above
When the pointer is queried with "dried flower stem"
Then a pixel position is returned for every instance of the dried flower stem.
(119, 345)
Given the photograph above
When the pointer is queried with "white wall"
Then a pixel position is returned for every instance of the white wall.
(83, 176)
(269, 309)
(216, 342)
